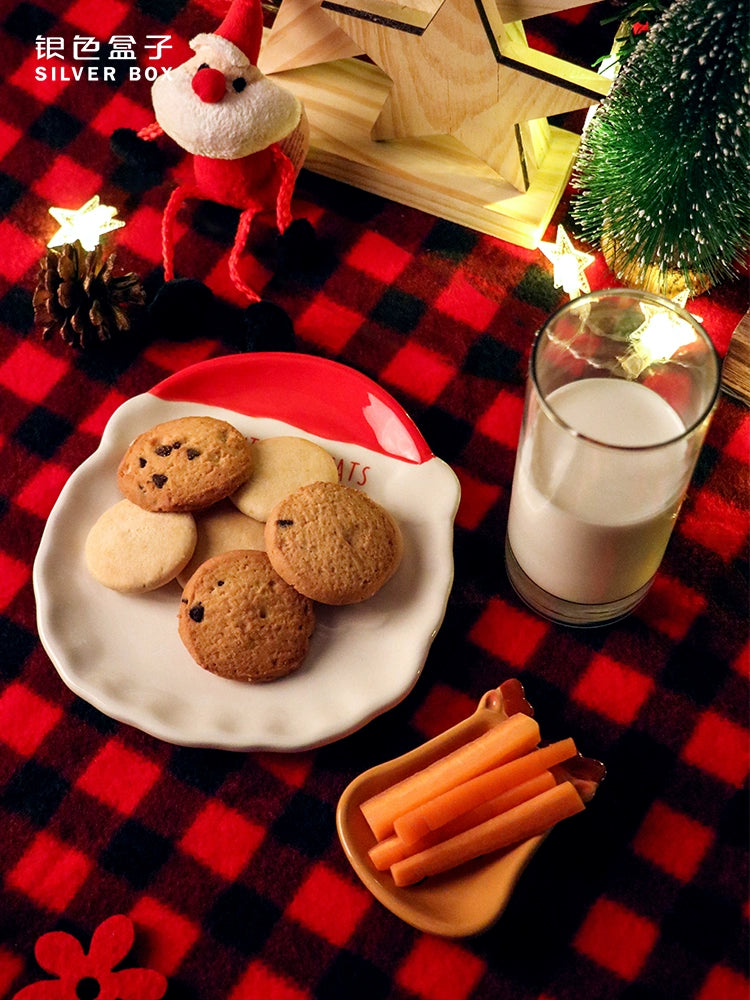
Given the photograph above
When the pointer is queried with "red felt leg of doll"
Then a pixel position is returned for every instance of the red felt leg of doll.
(287, 177)
(178, 196)
(240, 239)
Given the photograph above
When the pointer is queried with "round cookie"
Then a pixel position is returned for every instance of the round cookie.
(280, 466)
(132, 550)
(184, 464)
(222, 528)
(333, 543)
(240, 620)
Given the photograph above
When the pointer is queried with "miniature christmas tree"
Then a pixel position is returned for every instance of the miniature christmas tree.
(662, 170)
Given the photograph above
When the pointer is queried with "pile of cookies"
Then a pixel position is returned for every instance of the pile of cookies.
(255, 533)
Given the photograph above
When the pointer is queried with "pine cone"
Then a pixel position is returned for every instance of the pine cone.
(77, 296)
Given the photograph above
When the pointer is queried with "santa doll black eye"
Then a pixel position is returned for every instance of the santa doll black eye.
(239, 84)
(204, 66)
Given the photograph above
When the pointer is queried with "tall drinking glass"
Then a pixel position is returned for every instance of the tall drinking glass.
(620, 392)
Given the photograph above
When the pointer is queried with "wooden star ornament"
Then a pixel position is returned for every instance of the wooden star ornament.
(457, 68)
(457, 88)
(302, 34)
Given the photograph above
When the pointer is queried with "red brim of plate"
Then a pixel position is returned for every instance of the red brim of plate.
(325, 397)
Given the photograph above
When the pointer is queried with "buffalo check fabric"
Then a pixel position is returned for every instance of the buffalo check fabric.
(228, 864)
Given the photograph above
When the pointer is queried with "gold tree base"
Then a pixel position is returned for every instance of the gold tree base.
(652, 277)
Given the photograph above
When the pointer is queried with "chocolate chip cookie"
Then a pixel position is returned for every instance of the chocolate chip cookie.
(185, 464)
(333, 543)
(240, 620)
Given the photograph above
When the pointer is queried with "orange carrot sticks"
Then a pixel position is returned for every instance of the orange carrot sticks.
(529, 819)
(507, 740)
(387, 852)
(443, 808)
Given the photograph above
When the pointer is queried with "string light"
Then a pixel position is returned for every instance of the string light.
(569, 265)
(86, 224)
(658, 338)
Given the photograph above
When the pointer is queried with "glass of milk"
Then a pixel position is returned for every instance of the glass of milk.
(621, 388)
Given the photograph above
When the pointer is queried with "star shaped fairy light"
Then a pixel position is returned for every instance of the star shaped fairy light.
(86, 224)
(569, 264)
(681, 300)
(459, 69)
(659, 338)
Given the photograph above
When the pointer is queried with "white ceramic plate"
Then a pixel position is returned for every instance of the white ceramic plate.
(122, 652)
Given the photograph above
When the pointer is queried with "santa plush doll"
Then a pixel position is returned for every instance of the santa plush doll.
(248, 136)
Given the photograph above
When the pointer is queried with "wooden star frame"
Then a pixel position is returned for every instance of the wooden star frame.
(449, 116)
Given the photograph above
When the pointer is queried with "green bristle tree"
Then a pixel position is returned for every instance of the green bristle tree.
(662, 173)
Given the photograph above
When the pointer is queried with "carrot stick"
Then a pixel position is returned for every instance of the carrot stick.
(509, 739)
(441, 809)
(529, 819)
(387, 852)
(501, 803)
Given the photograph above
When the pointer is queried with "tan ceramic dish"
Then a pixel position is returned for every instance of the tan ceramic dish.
(458, 903)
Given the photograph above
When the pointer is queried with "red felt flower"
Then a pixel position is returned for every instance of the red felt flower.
(640, 27)
(82, 976)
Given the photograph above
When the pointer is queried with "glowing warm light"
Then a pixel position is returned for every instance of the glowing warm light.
(658, 338)
(569, 265)
(86, 224)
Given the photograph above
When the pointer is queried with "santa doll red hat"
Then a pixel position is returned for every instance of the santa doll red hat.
(248, 136)
(218, 104)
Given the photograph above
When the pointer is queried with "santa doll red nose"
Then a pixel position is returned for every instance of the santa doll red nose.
(209, 85)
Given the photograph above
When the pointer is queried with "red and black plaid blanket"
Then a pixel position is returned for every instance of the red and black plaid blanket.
(228, 864)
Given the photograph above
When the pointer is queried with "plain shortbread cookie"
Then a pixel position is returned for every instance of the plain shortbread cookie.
(240, 620)
(222, 528)
(333, 543)
(280, 466)
(185, 464)
(130, 549)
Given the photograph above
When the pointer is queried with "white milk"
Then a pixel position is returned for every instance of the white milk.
(588, 523)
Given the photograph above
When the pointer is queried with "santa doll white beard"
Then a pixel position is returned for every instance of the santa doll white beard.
(236, 126)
